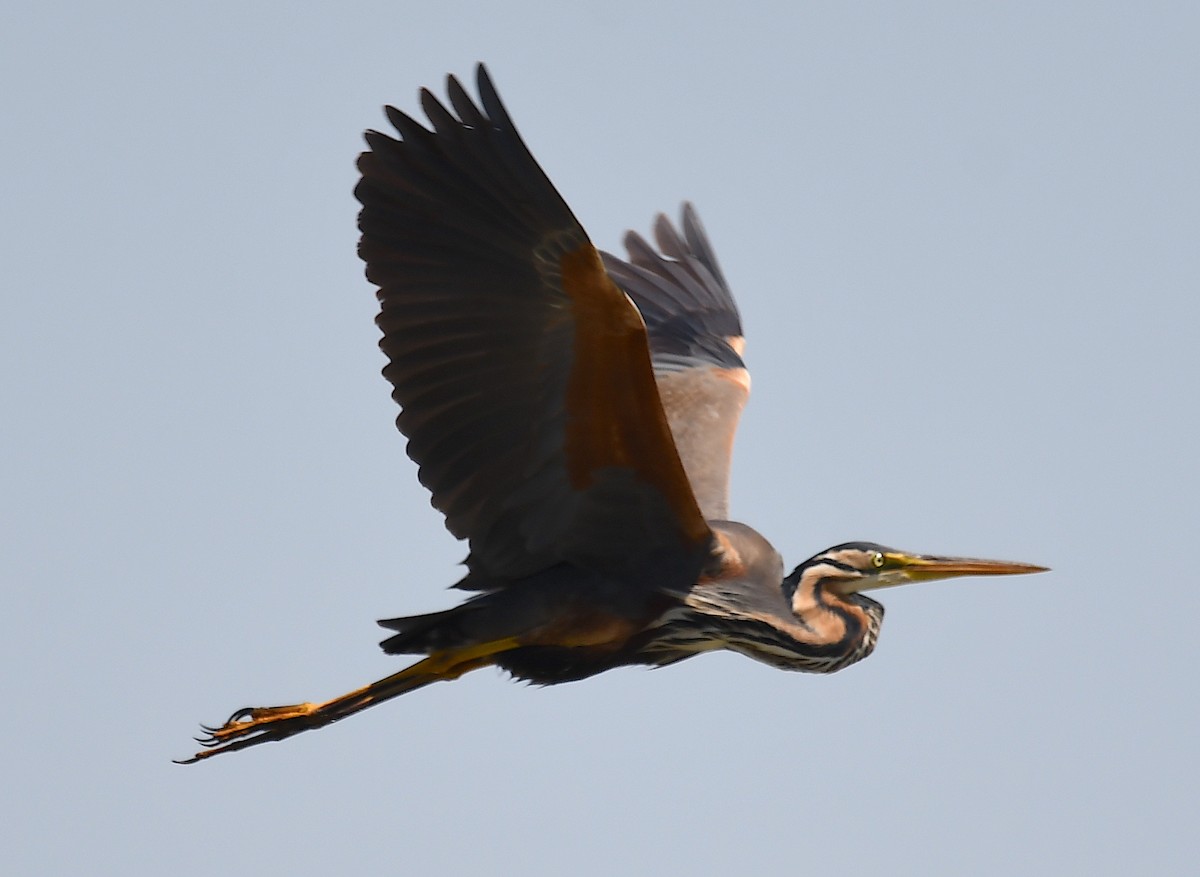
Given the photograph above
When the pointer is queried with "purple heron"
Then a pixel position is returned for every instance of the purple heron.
(572, 415)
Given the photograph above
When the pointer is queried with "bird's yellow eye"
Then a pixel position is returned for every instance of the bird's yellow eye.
(877, 559)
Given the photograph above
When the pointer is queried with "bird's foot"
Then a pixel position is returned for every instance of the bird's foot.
(251, 725)
(254, 725)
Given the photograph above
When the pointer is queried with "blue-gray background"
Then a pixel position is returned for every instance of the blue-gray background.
(964, 239)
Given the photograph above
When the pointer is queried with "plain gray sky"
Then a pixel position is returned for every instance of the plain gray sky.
(970, 231)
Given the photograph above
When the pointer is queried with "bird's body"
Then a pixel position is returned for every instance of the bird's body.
(573, 416)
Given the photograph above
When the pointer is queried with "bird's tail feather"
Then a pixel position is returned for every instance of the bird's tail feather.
(423, 634)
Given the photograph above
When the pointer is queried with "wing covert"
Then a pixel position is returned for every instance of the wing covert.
(696, 344)
(523, 374)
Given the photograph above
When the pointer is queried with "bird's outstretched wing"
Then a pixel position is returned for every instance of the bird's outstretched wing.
(522, 371)
(696, 343)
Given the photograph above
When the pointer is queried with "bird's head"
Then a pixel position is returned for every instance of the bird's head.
(840, 624)
(853, 567)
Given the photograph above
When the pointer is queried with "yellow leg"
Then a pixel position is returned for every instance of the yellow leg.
(254, 725)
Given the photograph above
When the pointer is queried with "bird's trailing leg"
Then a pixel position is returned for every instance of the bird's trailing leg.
(253, 725)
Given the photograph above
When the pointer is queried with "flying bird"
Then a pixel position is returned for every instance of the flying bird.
(573, 415)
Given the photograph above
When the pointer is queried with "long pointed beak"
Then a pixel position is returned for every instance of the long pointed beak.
(900, 568)
(925, 568)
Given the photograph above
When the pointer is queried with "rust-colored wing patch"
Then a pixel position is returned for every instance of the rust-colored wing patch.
(614, 414)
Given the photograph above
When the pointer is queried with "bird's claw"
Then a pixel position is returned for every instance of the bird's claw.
(251, 725)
